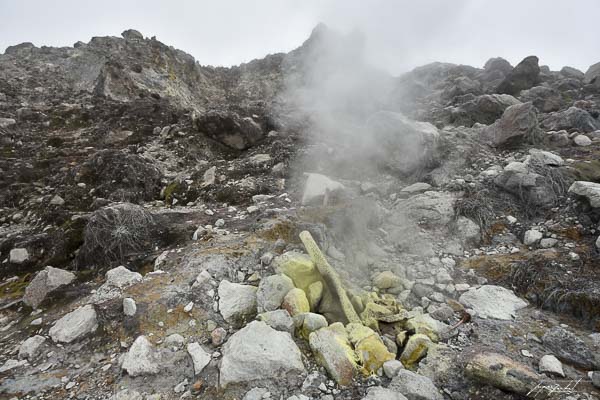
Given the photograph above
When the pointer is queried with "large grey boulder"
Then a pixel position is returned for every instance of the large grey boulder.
(484, 109)
(524, 76)
(519, 179)
(75, 325)
(401, 144)
(589, 190)
(518, 124)
(229, 129)
(44, 282)
(544, 98)
(566, 346)
(570, 72)
(141, 359)
(260, 353)
(495, 302)
(237, 302)
(571, 119)
(317, 187)
(593, 73)
(415, 386)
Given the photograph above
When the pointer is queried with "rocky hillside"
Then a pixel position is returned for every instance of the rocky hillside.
(303, 226)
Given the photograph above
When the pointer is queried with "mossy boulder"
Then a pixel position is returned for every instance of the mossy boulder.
(416, 349)
(314, 294)
(333, 351)
(387, 280)
(295, 302)
(426, 325)
(369, 348)
(300, 268)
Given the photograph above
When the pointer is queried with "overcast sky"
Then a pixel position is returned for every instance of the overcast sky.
(400, 34)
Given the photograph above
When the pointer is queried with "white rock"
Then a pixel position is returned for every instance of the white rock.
(31, 346)
(128, 394)
(18, 256)
(598, 243)
(188, 307)
(511, 220)
(551, 365)
(417, 187)
(141, 358)
(129, 307)
(490, 301)
(199, 356)
(75, 325)
(589, 190)
(532, 236)
(6, 122)
(545, 157)
(44, 282)
(391, 368)
(258, 352)
(236, 302)
(317, 186)
(209, 176)
(415, 386)
(12, 364)
(381, 393)
(121, 277)
(57, 201)
(547, 243)
(174, 340)
(582, 140)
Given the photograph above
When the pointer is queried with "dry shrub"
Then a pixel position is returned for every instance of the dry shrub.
(117, 233)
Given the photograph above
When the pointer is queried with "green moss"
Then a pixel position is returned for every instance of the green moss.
(170, 191)
(587, 170)
(16, 289)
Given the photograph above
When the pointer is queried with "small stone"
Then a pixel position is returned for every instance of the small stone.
(271, 292)
(31, 346)
(279, 320)
(532, 236)
(547, 243)
(174, 340)
(218, 336)
(237, 303)
(18, 256)
(129, 307)
(551, 365)
(75, 325)
(582, 140)
(391, 368)
(46, 281)
(415, 386)
(57, 201)
(387, 280)
(188, 307)
(141, 358)
(199, 356)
